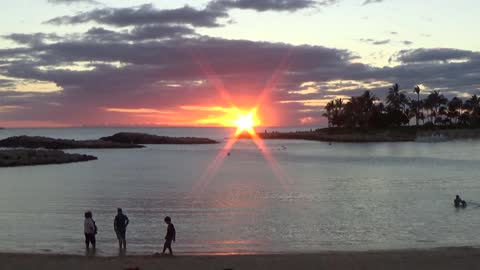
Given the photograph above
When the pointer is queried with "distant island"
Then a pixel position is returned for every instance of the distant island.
(143, 138)
(27, 151)
(27, 157)
(119, 140)
(50, 143)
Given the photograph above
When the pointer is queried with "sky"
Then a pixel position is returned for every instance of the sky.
(202, 62)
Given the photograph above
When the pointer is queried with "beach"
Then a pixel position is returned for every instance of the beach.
(441, 258)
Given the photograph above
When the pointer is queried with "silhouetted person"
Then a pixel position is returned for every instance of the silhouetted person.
(120, 224)
(170, 236)
(90, 229)
(458, 202)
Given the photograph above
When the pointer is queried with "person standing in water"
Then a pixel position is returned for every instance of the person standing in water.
(120, 224)
(458, 202)
(170, 236)
(90, 229)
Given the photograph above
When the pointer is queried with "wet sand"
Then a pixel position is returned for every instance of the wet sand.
(435, 259)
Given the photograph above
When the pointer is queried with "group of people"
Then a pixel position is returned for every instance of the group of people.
(120, 224)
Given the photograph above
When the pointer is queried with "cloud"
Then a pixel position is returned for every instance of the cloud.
(141, 62)
(30, 39)
(161, 74)
(143, 15)
(386, 41)
(372, 2)
(433, 55)
(7, 84)
(69, 2)
(376, 42)
(138, 33)
(268, 5)
(381, 42)
(137, 110)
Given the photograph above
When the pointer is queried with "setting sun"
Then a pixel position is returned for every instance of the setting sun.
(245, 122)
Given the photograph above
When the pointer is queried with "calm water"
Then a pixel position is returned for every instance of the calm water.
(336, 197)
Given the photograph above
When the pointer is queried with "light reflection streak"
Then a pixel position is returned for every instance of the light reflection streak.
(218, 84)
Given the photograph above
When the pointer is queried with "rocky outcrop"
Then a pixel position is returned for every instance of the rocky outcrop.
(143, 138)
(27, 157)
(50, 143)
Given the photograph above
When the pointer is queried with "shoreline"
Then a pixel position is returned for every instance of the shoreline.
(434, 258)
(356, 135)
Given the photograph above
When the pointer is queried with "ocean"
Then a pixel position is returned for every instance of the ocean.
(284, 197)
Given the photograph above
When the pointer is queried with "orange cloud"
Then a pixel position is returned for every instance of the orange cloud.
(138, 110)
(217, 115)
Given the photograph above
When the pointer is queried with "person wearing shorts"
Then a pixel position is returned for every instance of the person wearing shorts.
(170, 236)
(89, 229)
(120, 224)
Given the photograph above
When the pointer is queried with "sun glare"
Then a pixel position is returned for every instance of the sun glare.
(245, 122)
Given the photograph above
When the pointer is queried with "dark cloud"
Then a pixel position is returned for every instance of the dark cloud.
(6, 84)
(150, 68)
(30, 39)
(69, 2)
(266, 5)
(167, 74)
(138, 33)
(433, 55)
(145, 14)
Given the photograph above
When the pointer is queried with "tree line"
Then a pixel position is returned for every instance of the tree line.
(368, 111)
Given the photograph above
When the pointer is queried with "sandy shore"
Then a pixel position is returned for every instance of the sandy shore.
(437, 259)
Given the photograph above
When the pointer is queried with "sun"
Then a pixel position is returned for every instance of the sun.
(246, 121)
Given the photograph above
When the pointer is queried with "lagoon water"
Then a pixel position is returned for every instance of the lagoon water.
(333, 197)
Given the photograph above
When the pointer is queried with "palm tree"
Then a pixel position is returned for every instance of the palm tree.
(359, 109)
(417, 105)
(367, 106)
(338, 112)
(396, 101)
(395, 98)
(454, 107)
(328, 112)
(435, 102)
(473, 105)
